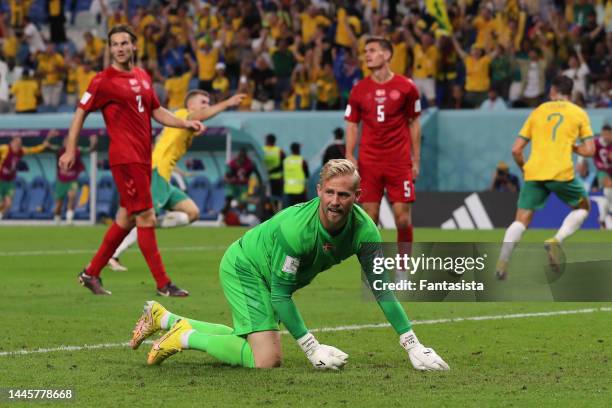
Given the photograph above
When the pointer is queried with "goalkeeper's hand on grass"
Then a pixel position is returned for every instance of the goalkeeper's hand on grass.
(422, 358)
(322, 356)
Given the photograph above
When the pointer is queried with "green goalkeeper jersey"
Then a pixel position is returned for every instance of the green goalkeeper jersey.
(291, 248)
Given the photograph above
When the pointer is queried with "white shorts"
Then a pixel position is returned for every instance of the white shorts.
(427, 87)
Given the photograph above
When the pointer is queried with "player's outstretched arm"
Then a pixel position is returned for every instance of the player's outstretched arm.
(167, 118)
(322, 356)
(211, 111)
(67, 159)
(351, 140)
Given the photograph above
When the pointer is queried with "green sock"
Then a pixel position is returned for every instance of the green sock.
(202, 327)
(229, 348)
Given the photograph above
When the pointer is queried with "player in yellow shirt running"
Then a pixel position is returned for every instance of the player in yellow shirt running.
(556, 129)
(171, 146)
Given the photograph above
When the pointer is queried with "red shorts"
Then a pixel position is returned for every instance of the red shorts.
(133, 181)
(376, 177)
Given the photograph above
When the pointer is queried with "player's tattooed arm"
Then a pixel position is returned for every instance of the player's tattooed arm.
(585, 149)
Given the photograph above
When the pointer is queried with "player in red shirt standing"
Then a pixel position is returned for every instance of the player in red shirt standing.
(388, 107)
(126, 97)
(603, 163)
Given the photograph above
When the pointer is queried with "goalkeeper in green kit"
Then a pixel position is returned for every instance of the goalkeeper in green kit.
(260, 272)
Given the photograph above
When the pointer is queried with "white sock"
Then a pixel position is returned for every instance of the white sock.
(607, 192)
(174, 219)
(127, 242)
(69, 216)
(571, 223)
(163, 322)
(57, 219)
(185, 338)
(512, 236)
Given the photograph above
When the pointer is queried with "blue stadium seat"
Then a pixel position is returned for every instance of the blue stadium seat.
(215, 202)
(39, 205)
(199, 189)
(20, 198)
(106, 198)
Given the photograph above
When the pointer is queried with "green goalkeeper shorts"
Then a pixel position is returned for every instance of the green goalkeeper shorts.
(534, 193)
(165, 195)
(247, 293)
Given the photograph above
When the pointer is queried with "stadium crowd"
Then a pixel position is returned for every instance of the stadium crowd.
(303, 55)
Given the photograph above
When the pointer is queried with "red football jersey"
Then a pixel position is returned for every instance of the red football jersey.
(385, 111)
(603, 155)
(127, 100)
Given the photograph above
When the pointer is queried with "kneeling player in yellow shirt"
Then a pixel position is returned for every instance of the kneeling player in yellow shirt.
(553, 128)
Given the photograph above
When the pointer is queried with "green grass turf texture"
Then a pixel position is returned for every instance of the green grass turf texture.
(540, 361)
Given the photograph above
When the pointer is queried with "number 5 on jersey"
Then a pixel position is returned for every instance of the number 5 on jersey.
(139, 101)
(380, 113)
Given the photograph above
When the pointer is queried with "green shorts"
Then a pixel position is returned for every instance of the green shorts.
(62, 188)
(7, 188)
(534, 193)
(247, 293)
(165, 195)
(601, 178)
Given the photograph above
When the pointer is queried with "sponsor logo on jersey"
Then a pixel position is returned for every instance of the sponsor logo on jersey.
(136, 89)
(395, 94)
(133, 81)
(380, 92)
(380, 101)
(291, 265)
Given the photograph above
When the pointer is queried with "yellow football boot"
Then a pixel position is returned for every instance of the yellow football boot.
(148, 324)
(169, 344)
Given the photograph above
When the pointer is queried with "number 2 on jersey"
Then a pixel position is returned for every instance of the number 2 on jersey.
(559, 121)
(380, 113)
(139, 101)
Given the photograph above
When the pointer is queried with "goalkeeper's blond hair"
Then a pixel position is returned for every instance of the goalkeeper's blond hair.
(339, 167)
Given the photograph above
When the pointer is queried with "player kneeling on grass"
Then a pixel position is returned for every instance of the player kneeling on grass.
(260, 272)
(556, 129)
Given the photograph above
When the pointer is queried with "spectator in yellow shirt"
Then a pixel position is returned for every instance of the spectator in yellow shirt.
(477, 73)
(207, 58)
(327, 89)
(399, 60)
(177, 85)
(310, 20)
(51, 68)
(220, 84)
(485, 26)
(26, 92)
(93, 50)
(299, 98)
(424, 64)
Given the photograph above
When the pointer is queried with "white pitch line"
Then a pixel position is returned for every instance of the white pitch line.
(92, 251)
(336, 329)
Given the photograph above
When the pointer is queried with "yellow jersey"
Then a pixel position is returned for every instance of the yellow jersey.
(399, 60)
(425, 64)
(477, 77)
(172, 144)
(50, 67)
(26, 92)
(553, 128)
(176, 89)
(206, 63)
(83, 78)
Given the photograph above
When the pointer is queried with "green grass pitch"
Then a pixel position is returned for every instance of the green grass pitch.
(550, 361)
